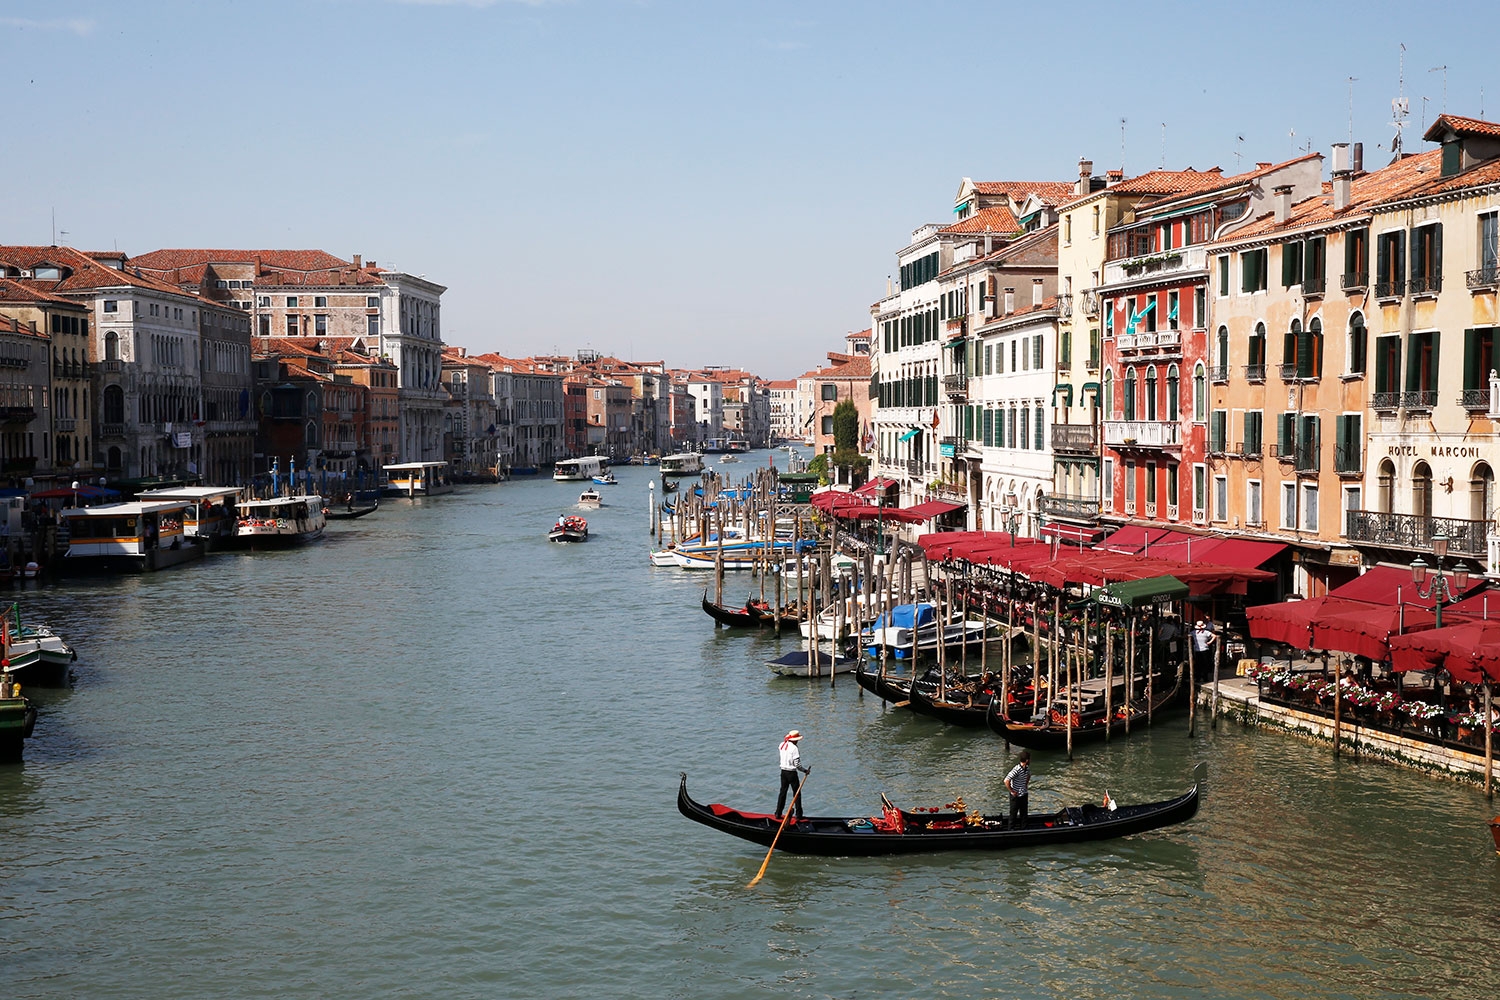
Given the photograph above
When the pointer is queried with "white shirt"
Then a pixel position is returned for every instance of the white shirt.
(791, 759)
(1202, 637)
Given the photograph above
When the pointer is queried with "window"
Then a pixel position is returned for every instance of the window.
(1013, 364)
(1172, 485)
(1479, 361)
(1351, 501)
(114, 404)
(1025, 434)
(1200, 491)
(111, 346)
(1252, 502)
(1349, 441)
(1221, 498)
(291, 326)
(1200, 394)
(1096, 220)
(1357, 258)
(1200, 308)
(1481, 493)
(1065, 347)
(1217, 432)
(1129, 484)
(1390, 264)
(1421, 490)
(1422, 369)
(827, 425)
(989, 359)
(1151, 482)
(1172, 303)
(1309, 507)
(1254, 432)
(1314, 266)
(1359, 340)
(1223, 275)
(1068, 229)
(1253, 270)
(1255, 369)
(372, 302)
(1427, 259)
(1173, 391)
(320, 325)
(1038, 430)
(1150, 393)
(1221, 354)
(1387, 370)
(1036, 351)
(320, 302)
(1291, 264)
(265, 301)
(372, 326)
(1109, 482)
(1129, 400)
(1109, 394)
(1489, 250)
(829, 392)
(1289, 505)
(291, 301)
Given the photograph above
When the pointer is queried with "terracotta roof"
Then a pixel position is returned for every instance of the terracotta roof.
(1016, 191)
(87, 274)
(858, 368)
(789, 383)
(1460, 126)
(24, 290)
(996, 219)
(1170, 181)
(289, 260)
(1399, 179)
(10, 325)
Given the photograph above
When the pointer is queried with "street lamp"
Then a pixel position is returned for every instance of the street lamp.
(1012, 517)
(1439, 589)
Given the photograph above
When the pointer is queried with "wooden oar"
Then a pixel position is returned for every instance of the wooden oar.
(784, 818)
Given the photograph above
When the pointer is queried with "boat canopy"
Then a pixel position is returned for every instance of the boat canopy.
(1134, 593)
(907, 616)
(133, 509)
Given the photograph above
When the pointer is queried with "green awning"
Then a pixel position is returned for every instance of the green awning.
(909, 435)
(1067, 389)
(1134, 593)
(1089, 387)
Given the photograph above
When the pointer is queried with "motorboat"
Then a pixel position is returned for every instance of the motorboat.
(290, 520)
(578, 469)
(909, 628)
(569, 528)
(590, 498)
(606, 479)
(136, 537)
(34, 653)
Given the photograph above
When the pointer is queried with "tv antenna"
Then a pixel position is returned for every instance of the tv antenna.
(1239, 146)
(1163, 147)
(1122, 146)
(1444, 71)
(1351, 107)
(1400, 107)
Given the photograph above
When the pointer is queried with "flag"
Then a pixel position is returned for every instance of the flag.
(934, 419)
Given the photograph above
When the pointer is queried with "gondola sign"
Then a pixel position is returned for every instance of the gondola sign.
(1134, 593)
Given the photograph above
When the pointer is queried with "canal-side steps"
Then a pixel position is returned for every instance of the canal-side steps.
(1239, 701)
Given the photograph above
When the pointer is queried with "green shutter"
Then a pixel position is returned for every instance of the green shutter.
(1383, 259)
(1471, 360)
(1437, 342)
(1437, 258)
(1452, 157)
(1291, 269)
(1284, 433)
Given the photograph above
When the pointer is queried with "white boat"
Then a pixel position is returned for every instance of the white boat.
(896, 632)
(36, 654)
(136, 537)
(578, 469)
(281, 520)
(728, 458)
(607, 479)
(590, 498)
(418, 479)
(855, 615)
(211, 515)
(684, 463)
(802, 663)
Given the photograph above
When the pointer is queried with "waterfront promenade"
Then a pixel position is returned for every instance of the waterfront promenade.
(434, 755)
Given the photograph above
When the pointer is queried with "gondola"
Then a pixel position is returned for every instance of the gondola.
(892, 686)
(350, 513)
(746, 617)
(967, 701)
(1052, 732)
(899, 831)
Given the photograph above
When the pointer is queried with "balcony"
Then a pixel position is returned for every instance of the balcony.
(1249, 449)
(1142, 434)
(111, 367)
(1483, 280)
(1125, 342)
(17, 414)
(1292, 373)
(112, 430)
(1187, 259)
(1314, 286)
(1168, 341)
(1419, 399)
(1390, 289)
(1065, 307)
(1076, 508)
(1348, 459)
(956, 386)
(1413, 532)
(1218, 373)
(914, 468)
(1426, 284)
(1172, 512)
(1475, 399)
(64, 425)
(1200, 516)
(1385, 400)
(1151, 509)
(1356, 281)
(1130, 508)
(1091, 303)
(1077, 439)
(1303, 458)
(1255, 373)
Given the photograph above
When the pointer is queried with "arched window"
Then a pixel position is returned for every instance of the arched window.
(1109, 394)
(1481, 493)
(1310, 353)
(1151, 393)
(1358, 343)
(1421, 490)
(1200, 394)
(1223, 352)
(1385, 485)
(114, 404)
(1130, 394)
(112, 459)
(111, 346)
(1174, 389)
(311, 433)
(1289, 341)
(1255, 362)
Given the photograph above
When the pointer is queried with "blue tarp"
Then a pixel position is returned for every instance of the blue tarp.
(902, 616)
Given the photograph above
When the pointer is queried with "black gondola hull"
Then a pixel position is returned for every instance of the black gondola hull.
(831, 835)
(1051, 736)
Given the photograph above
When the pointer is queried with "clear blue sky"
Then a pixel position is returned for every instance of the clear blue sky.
(704, 183)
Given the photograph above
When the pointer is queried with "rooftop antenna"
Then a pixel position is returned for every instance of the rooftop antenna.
(1351, 107)
(1163, 147)
(54, 225)
(1400, 108)
(1424, 113)
(1239, 146)
(1444, 70)
(1122, 146)
(1292, 134)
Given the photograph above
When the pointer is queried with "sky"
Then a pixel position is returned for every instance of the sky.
(702, 183)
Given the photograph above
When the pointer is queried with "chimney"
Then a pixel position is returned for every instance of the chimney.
(1036, 291)
(357, 262)
(989, 242)
(1359, 157)
(1341, 176)
(1113, 177)
(1262, 164)
(1085, 172)
(1010, 300)
(1283, 202)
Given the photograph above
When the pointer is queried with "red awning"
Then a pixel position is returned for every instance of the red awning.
(1368, 631)
(829, 499)
(930, 509)
(1134, 537)
(1244, 552)
(877, 485)
(1072, 533)
(1470, 652)
(1382, 585)
(1291, 621)
(972, 545)
(1482, 605)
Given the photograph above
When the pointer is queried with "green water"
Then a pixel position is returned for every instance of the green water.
(436, 756)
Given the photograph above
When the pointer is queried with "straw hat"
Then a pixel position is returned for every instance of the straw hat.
(794, 735)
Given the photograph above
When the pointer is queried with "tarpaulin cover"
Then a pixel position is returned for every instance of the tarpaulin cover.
(1470, 651)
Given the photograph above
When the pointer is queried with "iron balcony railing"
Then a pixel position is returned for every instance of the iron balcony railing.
(1415, 531)
(1426, 284)
(1314, 285)
(1390, 289)
(956, 385)
(1419, 399)
(1077, 508)
(1356, 280)
(1218, 373)
(1475, 399)
(1080, 439)
(1255, 373)
(1091, 303)
(1385, 400)
(1486, 277)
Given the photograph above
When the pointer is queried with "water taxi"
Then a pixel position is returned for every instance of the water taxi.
(737, 446)
(136, 537)
(684, 463)
(569, 528)
(418, 479)
(210, 517)
(590, 498)
(607, 479)
(578, 469)
(281, 520)
(35, 654)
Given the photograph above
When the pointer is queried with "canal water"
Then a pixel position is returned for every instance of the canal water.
(434, 755)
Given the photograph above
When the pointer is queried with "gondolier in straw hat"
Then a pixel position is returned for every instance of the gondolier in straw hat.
(1018, 783)
(791, 763)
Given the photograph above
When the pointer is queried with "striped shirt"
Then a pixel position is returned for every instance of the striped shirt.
(1018, 778)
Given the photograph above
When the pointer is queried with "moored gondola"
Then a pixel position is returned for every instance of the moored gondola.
(745, 617)
(1052, 732)
(966, 701)
(899, 831)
